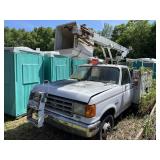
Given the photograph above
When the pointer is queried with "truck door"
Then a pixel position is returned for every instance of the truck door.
(127, 89)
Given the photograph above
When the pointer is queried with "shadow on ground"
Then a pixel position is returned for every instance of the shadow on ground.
(27, 131)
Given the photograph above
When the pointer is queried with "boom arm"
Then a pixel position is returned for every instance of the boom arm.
(106, 43)
(89, 34)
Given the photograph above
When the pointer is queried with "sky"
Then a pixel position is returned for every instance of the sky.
(30, 24)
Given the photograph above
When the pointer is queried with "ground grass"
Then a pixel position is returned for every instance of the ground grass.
(126, 127)
(21, 129)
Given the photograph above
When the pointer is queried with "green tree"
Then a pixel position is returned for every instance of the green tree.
(152, 41)
(42, 38)
(106, 31)
(140, 35)
(117, 31)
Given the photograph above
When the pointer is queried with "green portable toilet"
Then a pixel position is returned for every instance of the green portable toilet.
(23, 68)
(57, 67)
(145, 63)
(137, 64)
(76, 62)
(152, 66)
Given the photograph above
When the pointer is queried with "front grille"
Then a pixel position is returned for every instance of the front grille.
(59, 104)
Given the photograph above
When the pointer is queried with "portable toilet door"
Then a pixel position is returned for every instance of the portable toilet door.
(22, 70)
(77, 62)
(57, 67)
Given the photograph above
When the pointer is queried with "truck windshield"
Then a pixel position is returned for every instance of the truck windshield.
(98, 74)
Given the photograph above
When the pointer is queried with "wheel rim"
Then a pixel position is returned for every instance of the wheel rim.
(106, 128)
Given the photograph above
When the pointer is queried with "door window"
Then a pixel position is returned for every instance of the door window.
(125, 76)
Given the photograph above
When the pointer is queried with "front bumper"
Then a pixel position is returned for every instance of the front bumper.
(61, 122)
(72, 126)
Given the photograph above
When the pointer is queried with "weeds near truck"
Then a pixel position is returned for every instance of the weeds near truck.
(127, 128)
(150, 128)
(148, 100)
(150, 125)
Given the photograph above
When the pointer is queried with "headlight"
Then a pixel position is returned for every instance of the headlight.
(79, 109)
(87, 111)
(36, 96)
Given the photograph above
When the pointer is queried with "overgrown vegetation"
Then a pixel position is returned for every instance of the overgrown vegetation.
(147, 101)
(144, 69)
(150, 127)
(145, 110)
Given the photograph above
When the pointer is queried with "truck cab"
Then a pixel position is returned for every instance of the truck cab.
(86, 104)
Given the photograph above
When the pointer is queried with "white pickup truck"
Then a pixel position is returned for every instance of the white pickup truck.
(86, 104)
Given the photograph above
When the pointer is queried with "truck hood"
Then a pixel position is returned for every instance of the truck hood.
(73, 89)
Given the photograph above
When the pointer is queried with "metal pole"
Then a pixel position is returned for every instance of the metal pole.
(110, 55)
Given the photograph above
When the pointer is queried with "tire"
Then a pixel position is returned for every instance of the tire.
(106, 126)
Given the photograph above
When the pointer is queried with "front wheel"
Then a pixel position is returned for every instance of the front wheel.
(106, 126)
